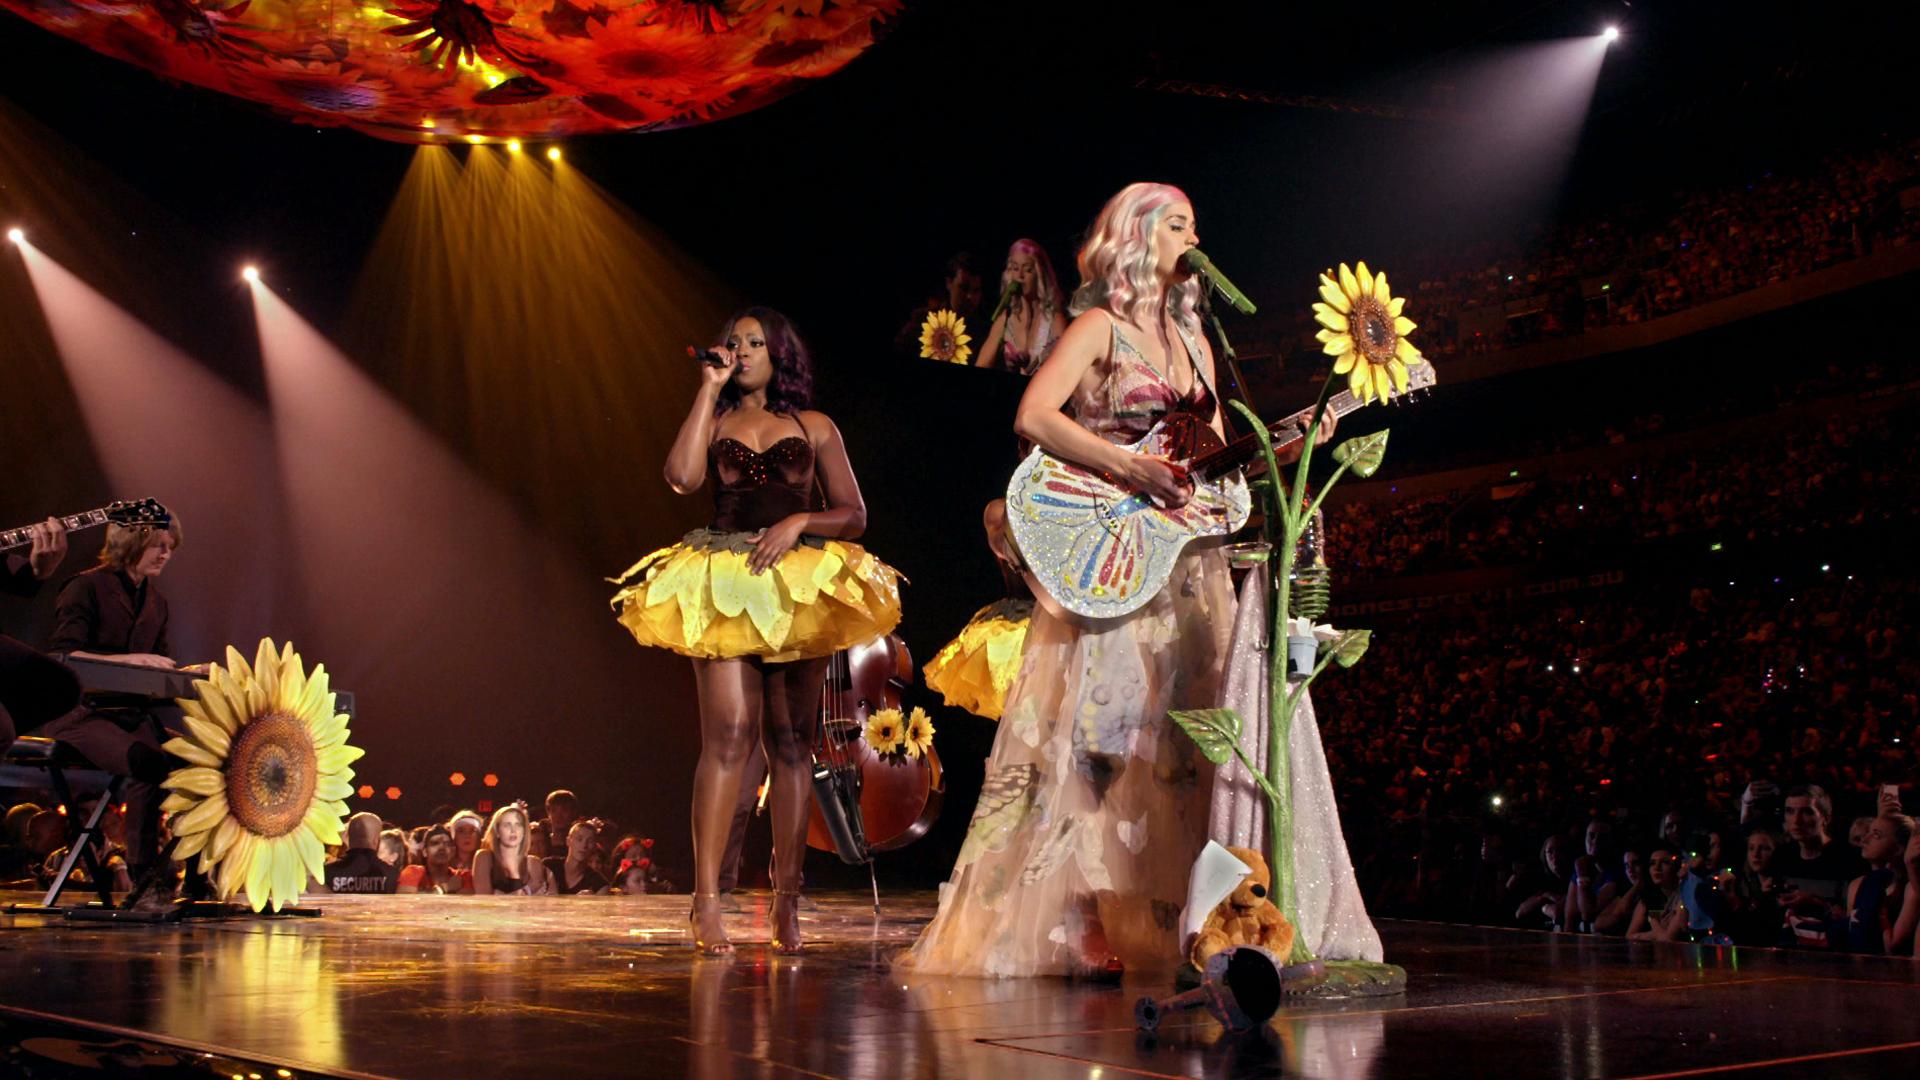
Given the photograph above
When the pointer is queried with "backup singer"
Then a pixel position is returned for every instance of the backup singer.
(761, 598)
(1024, 334)
(1094, 804)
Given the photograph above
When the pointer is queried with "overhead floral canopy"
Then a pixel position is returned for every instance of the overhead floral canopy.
(431, 70)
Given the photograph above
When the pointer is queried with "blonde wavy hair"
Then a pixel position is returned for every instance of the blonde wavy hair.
(1047, 285)
(126, 543)
(1116, 262)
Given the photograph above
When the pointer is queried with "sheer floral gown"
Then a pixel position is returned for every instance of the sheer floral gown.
(1094, 804)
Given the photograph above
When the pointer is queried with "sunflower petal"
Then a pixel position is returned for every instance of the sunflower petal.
(259, 870)
(1406, 351)
(1398, 370)
(1357, 382)
(1337, 344)
(1330, 292)
(313, 857)
(1395, 306)
(177, 802)
(1380, 290)
(223, 837)
(1344, 363)
(204, 816)
(333, 787)
(212, 736)
(322, 822)
(335, 758)
(1330, 318)
(1382, 382)
(197, 780)
(191, 844)
(1403, 325)
(1348, 284)
(1365, 277)
(193, 753)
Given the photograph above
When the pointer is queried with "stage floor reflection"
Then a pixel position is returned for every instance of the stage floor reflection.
(412, 986)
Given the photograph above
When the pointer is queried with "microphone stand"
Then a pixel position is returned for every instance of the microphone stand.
(1227, 354)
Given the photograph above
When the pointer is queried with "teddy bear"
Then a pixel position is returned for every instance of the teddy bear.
(1246, 917)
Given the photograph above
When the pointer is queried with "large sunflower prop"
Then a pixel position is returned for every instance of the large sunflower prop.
(944, 337)
(1365, 333)
(266, 776)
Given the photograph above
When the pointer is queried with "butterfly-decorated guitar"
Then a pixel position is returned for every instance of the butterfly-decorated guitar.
(143, 512)
(1100, 550)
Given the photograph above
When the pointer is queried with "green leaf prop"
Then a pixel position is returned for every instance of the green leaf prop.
(1215, 731)
(1364, 454)
(1350, 646)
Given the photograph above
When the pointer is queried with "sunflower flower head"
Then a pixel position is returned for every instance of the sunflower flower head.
(264, 788)
(944, 337)
(1363, 329)
(919, 735)
(886, 731)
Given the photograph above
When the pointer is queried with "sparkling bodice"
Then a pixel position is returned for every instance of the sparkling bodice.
(755, 489)
(1133, 395)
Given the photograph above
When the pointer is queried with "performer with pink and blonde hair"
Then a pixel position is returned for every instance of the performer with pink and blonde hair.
(1024, 333)
(1094, 804)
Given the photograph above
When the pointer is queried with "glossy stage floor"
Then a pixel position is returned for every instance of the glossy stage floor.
(607, 986)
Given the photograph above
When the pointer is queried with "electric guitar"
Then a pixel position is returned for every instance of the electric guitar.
(1100, 550)
(143, 512)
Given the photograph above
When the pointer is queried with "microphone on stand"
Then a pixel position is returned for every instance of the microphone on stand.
(1007, 292)
(1196, 261)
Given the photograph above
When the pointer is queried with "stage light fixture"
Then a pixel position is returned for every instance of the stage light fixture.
(251, 273)
(491, 780)
(428, 123)
(393, 793)
(476, 139)
(366, 791)
(1611, 34)
(457, 779)
(16, 236)
(513, 146)
(553, 153)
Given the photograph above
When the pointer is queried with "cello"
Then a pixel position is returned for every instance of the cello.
(865, 803)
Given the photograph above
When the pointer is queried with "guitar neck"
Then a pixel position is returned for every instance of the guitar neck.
(1284, 433)
(22, 536)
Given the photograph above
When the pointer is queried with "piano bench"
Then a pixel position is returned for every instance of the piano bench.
(56, 758)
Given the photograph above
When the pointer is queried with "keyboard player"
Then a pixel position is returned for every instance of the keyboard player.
(115, 612)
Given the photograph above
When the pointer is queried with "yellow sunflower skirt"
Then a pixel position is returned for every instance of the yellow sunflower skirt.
(975, 669)
(698, 599)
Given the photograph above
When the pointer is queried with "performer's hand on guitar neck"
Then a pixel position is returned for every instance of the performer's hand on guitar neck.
(1160, 479)
(49, 547)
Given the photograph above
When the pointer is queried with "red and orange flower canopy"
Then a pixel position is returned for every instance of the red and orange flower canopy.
(430, 70)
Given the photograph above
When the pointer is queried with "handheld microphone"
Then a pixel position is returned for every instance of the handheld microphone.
(709, 357)
(1197, 262)
(1007, 292)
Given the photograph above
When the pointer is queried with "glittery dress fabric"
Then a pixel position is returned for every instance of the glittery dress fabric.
(1094, 804)
(698, 599)
(1024, 362)
(1331, 914)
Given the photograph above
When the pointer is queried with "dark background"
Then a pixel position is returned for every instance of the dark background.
(1385, 131)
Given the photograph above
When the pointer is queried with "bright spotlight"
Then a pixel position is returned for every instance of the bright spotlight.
(251, 273)
(513, 146)
(553, 153)
(15, 236)
(1611, 34)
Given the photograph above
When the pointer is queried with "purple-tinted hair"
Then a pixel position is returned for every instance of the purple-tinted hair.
(792, 387)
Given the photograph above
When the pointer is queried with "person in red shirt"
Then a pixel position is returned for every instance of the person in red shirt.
(439, 875)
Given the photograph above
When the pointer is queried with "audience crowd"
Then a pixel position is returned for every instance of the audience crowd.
(1648, 259)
